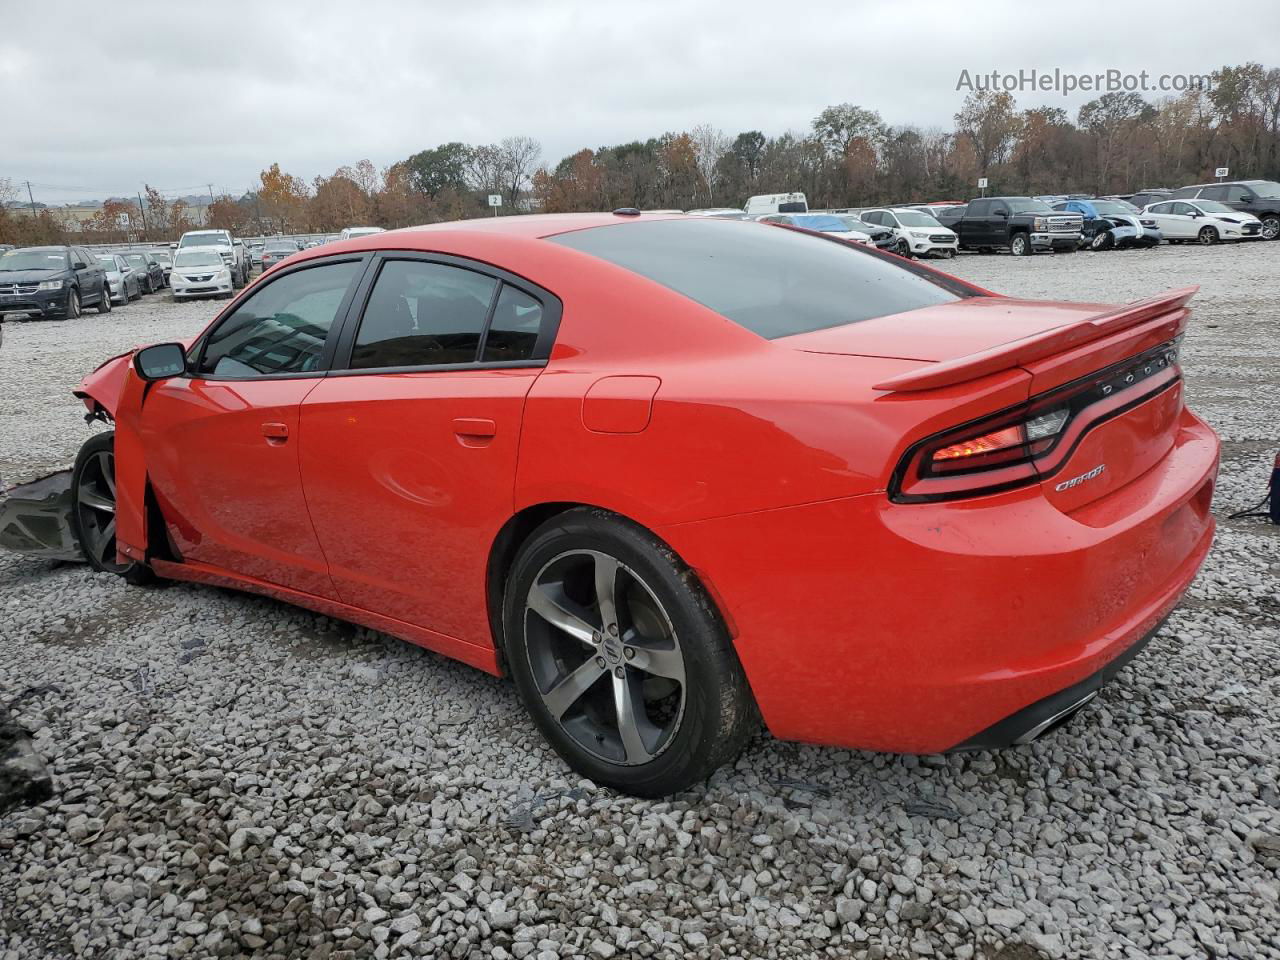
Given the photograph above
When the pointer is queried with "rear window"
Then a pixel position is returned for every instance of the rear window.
(773, 282)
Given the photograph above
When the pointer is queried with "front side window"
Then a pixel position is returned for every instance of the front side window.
(282, 328)
(423, 314)
(774, 283)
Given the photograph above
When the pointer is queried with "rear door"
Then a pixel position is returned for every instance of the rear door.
(222, 441)
(409, 453)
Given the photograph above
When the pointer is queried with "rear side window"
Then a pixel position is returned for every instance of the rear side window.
(773, 282)
(513, 333)
(422, 314)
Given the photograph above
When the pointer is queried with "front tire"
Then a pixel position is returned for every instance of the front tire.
(1101, 241)
(93, 510)
(73, 304)
(1207, 236)
(104, 304)
(1020, 245)
(620, 658)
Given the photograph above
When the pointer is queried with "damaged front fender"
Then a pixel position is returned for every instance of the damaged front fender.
(35, 519)
(101, 390)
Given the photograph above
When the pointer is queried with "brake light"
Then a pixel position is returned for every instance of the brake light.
(1026, 443)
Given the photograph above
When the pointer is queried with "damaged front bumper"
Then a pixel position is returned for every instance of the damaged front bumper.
(35, 518)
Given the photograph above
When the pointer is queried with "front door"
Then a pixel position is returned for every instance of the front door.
(409, 457)
(222, 442)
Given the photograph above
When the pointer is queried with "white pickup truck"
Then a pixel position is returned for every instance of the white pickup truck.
(231, 251)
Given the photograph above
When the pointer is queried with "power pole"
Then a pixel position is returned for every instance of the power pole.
(32, 199)
(142, 210)
(208, 217)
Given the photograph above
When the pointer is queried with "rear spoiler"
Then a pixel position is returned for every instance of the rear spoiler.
(1038, 346)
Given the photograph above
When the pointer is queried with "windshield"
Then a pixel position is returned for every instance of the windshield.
(1265, 188)
(827, 224)
(914, 218)
(197, 258)
(204, 240)
(34, 260)
(1213, 206)
(1029, 206)
(137, 258)
(162, 256)
(109, 262)
(774, 283)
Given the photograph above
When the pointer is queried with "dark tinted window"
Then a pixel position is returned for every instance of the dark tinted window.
(513, 333)
(1186, 192)
(978, 208)
(1213, 193)
(423, 313)
(773, 282)
(793, 206)
(282, 327)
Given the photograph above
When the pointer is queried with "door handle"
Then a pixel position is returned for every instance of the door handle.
(276, 433)
(474, 431)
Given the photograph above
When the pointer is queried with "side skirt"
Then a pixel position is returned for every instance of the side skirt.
(483, 658)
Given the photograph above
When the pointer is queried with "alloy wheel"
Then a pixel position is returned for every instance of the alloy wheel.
(96, 510)
(604, 657)
(1271, 228)
(1207, 235)
(73, 304)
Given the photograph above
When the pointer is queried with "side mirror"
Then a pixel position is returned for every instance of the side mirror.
(78, 265)
(161, 361)
(1002, 214)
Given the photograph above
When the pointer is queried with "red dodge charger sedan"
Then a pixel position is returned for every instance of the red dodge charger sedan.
(675, 475)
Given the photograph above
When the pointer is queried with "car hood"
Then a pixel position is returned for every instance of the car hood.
(946, 331)
(29, 276)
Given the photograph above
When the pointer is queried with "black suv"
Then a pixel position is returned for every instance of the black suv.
(52, 282)
(1259, 197)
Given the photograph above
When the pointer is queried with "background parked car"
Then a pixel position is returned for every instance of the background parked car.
(917, 233)
(350, 233)
(1205, 221)
(1261, 198)
(255, 253)
(836, 225)
(201, 272)
(1022, 224)
(234, 256)
(150, 272)
(121, 278)
(165, 259)
(1112, 224)
(277, 250)
(1144, 198)
(52, 282)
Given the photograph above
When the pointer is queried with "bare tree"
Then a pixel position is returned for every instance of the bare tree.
(518, 158)
(710, 144)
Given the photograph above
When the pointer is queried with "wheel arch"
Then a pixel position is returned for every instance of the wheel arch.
(520, 527)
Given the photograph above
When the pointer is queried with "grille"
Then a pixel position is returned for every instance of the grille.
(23, 289)
(202, 279)
(1065, 224)
(940, 238)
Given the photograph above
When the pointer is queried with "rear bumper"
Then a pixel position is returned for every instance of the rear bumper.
(918, 627)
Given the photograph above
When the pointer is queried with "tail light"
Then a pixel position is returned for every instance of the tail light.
(1027, 443)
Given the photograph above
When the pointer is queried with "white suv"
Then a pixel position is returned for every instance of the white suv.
(232, 253)
(919, 233)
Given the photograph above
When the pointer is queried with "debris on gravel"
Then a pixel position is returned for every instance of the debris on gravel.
(236, 777)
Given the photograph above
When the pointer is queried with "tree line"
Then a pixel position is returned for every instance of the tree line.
(847, 156)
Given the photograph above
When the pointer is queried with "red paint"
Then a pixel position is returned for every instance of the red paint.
(764, 464)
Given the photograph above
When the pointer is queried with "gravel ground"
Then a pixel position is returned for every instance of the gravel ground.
(236, 777)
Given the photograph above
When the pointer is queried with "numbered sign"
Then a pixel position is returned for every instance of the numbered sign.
(495, 199)
(982, 183)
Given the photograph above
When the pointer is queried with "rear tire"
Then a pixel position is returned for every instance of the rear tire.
(1271, 226)
(93, 510)
(642, 692)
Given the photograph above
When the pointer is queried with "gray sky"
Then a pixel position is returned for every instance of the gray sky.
(181, 94)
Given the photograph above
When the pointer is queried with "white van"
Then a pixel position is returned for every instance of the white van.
(777, 203)
(350, 232)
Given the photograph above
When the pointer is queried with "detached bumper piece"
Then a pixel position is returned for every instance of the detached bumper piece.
(35, 519)
(1045, 716)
